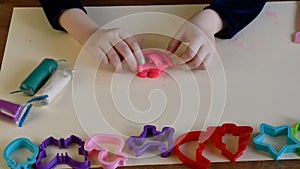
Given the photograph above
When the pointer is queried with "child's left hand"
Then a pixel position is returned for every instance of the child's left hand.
(198, 33)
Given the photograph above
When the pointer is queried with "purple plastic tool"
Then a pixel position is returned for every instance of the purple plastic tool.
(60, 159)
(13, 112)
(95, 144)
(156, 141)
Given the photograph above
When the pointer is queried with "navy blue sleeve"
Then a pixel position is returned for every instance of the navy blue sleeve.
(236, 14)
(54, 8)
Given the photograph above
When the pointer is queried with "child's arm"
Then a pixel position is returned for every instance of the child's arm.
(69, 15)
(236, 14)
(222, 19)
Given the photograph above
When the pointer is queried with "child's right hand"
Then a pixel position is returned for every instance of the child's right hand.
(111, 45)
(114, 45)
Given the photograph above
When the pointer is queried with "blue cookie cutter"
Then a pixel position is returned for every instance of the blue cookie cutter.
(157, 142)
(62, 158)
(291, 143)
(18, 144)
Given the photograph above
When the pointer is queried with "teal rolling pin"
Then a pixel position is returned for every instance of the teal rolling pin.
(38, 77)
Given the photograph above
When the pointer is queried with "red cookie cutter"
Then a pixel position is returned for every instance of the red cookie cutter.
(155, 64)
(201, 162)
(215, 134)
(243, 132)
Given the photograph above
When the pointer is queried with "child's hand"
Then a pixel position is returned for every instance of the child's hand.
(198, 33)
(114, 45)
(111, 45)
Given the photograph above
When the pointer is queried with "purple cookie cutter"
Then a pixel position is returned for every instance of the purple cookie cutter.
(60, 159)
(157, 141)
(13, 112)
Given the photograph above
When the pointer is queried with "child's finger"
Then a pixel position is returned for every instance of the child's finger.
(114, 59)
(126, 52)
(134, 46)
(189, 53)
(173, 45)
(194, 63)
(98, 53)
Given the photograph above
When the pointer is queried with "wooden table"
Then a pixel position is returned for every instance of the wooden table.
(6, 9)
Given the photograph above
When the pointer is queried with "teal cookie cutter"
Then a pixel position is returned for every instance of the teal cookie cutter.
(291, 145)
(18, 144)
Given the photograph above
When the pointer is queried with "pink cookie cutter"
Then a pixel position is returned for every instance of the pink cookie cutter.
(297, 37)
(94, 144)
(155, 64)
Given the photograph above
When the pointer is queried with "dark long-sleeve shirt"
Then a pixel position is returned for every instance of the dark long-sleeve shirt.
(236, 14)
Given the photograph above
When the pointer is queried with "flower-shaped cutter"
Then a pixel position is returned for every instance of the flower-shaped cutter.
(157, 138)
(62, 158)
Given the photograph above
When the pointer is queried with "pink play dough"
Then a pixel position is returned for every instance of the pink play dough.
(155, 63)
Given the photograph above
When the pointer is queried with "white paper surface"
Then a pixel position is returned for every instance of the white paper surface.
(258, 80)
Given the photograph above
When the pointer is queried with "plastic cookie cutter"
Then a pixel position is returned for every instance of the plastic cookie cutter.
(297, 37)
(60, 159)
(295, 131)
(96, 142)
(243, 132)
(13, 112)
(291, 143)
(155, 141)
(21, 143)
(294, 134)
(200, 162)
(156, 63)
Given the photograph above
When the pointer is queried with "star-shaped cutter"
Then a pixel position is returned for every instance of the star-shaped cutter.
(95, 142)
(60, 159)
(291, 145)
(243, 132)
(138, 145)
